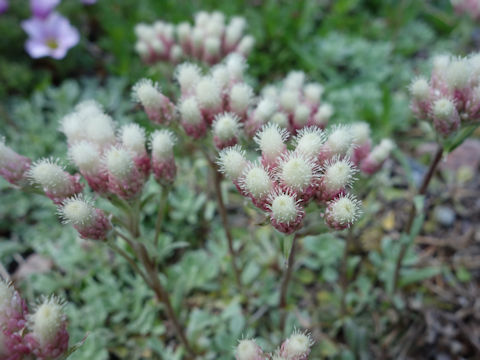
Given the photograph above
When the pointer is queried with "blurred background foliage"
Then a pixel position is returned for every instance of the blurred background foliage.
(364, 51)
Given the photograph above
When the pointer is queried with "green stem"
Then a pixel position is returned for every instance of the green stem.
(162, 206)
(285, 283)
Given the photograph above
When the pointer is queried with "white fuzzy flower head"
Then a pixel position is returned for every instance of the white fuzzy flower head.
(296, 346)
(146, 92)
(141, 48)
(361, 132)
(420, 89)
(256, 181)
(270, 91)
(133, 138)
(240, 97)
(220, 75)
(246, 45)
(190, 111)
(236, 66)
(176, 53)
(340, 140)
(73, 127)
(50, 176)
(208, 93)
(284, 207)
(441, 63)
(101, 130)
(144, 32)
(382, 150)
(78, 211)
(162, 142)
(458, 73)
(233, 33)
(289, 99)
(338, 174)
(212, 46)
(89, 108)
(226, 126)
(119, 162)
(47, 320)
(280, 118)
(264, 110)
(232, 162)
(301, 115)
(297, 171)
(313, 93)
(345, 210)
(271, 140)
(86, 157)
(187, 75)
(294, 80)
(158, 46)
(184, 30)
(248, 350)
(309, 141)
(444, 109)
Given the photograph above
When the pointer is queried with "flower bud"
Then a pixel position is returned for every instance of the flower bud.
(191, 118)
(233, 34)
(322, 116)
(421, 97)
(246, 45)
(289, 100)
(226, 129)
(221, 77)
(176, 54)
(271, 140)
(73, 127)
(342, 212)
(339, 142)
(101, 131)
(236, 66)
(286, 213)
(257, 183)
(13, 309)
(124, 179)
(445, 116)
(133, 139)
(163, 161)
(54, 180)
(260, 116)
(309, 141)
(209, 97)
(48, 336)
(91, 223)
(187, 75)
(249, 350)
(141, 48)
(294, 80)
(374, 161)
(301, 116)
(313, 93)
(232, 162)
(212, 47)
(240, 98)
(87, 158)
(299, 173)
(184, 32)
(296, 347)
(338, 175)
(361, 140)
(13, 166)
(158, 107)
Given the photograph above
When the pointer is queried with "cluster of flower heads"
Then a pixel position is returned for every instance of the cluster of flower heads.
(112, 162)
(313, 165)
(469, 7)
(293, 105)
(209, 40)
(296, 347)
(451, 97)
(50, 34)
(42, 333)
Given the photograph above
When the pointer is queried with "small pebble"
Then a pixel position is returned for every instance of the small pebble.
(444, 215)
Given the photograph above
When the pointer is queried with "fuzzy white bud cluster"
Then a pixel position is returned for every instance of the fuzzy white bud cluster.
(297, 171)
(255, 180)
(133, 138)
(146, 92)
(271, 140)
(86, 156)
(47, 321)
(161, 143)
(119, 162)
(50, 176)
(340, 140)
(232, 162)
(226, 126)
(78, 211)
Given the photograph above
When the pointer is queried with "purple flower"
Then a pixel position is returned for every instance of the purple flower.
(3, 6)
(88, 2)
(52, 36)
(43, 8)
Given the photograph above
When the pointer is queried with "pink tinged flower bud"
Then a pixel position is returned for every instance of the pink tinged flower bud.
(133, 139)
(421, 97)
(222, 78)
(48, 337)
(176, 54)
(340, 142)
(226, 129)
(187, 76)
(54, 180)
(374, 161)
(338, 175)
(245, 46)
(232, 163)
(209, 97)
(362, 142)
(257, 183)
(184, 33)
(458, 77)
(298, 173)
(212, 47)
(234, 32)
(301, 117)
(281, 119)
(124, 179)
(294, 80)
(260, 116)
(240, 99)
(13, 309)
(163, 161)
(87, 158)
(296, 347)
(101, 131)
(286, 213)
(158, 107)
(313, 93)
(342, 212)
(445, 116)
(289, 99)
(13, 166)
(192, 119)
(322, 116)
(309, 141)
(271, 140)
(236, 66)
(91, 223)
(249, 350)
